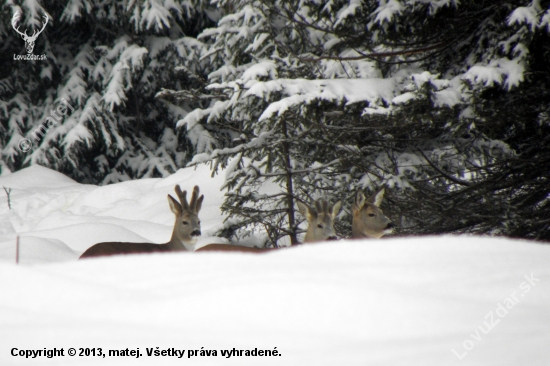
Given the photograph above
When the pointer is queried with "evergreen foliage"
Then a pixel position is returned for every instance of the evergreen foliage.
(327, 97)
(444, 102)
(106, 61)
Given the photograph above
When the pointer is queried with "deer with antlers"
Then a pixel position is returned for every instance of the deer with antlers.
(368, 221)
(187, 228)
(29, 40)
(320, 219)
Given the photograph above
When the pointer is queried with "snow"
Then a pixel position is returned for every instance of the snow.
(73, 10)
(493, 73)
(451, 95)
(239, 27)
(347, 11)
(261, 69)
(404, 98)
(158, 15)
(450, 300)
(47, 204)
(387, 10)
(376, 91)
(259, 40)
(130, 58)
(545, 20)
(523, 14)
(302, 91)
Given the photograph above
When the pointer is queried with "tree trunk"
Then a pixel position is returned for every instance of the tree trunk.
(289, 187)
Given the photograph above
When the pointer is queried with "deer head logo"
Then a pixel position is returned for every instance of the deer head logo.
(29, 40)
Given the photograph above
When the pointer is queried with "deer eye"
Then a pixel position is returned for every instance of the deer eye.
(372, 215)
(185, 222)
(320, 226)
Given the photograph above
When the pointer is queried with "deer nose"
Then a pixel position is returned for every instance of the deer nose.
(390, 225)
(196, 233)
(332, 238)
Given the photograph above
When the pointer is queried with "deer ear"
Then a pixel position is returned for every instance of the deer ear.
(360, 200)
(174, 206)
(376, 198)
(302, 208)
(335, 209)
(306, 211)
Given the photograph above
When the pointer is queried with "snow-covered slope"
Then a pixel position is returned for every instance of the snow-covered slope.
(51, 212)
(418, 301)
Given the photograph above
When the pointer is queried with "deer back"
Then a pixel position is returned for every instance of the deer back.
(184, 235)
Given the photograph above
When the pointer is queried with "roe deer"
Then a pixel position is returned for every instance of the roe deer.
(320, 219)
(186, 230)
(368, 219)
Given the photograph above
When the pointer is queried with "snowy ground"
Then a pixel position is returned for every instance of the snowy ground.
(418, 301)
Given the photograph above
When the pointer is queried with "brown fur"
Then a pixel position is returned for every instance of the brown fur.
(186, 229)
(320, 220)
(368, 219)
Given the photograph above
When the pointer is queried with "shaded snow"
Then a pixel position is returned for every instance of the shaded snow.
(497, 70)
(524, 15)
(387, 10)
(261, 69)
(47, 204)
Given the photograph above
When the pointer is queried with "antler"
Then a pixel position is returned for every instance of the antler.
(43, 27)
(195, 203)
(182, 196)
(318, 206)
(321, 206)
(194, 196)
(14, 22)
(25, 36)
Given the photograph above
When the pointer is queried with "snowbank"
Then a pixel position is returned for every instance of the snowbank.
(48, 207)
(418, 301)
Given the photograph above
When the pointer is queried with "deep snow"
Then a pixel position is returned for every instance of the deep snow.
(417, 301)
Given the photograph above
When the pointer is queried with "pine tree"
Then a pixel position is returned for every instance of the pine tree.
(105, 63)
(443, 102)
(329, 97)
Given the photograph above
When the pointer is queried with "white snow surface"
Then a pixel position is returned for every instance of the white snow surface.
(450, 300)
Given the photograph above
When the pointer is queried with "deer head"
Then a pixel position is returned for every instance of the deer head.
(187, 226)
(320, 219)
(368, 219)
(29, 40)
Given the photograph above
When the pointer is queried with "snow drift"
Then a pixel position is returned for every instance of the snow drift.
(417, 301)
